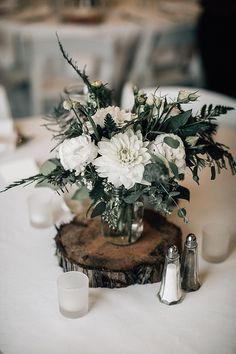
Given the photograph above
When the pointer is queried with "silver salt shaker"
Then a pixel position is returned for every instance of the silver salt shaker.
(170, 292)
(189, 265)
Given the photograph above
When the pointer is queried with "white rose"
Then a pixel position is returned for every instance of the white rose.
(168, 154)
(77, 152)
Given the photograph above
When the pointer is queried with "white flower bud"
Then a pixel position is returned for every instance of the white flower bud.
(150, 100)
(193, 96)
(75, 105)
(97, 83)
(186, 96)
(67, 105)
(157, 101)
(141, 99)
(192, 140)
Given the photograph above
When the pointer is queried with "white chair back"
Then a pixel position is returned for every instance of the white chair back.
(5, 111)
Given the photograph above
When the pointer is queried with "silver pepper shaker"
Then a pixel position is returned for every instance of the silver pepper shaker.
(170, 292)
(189, 265)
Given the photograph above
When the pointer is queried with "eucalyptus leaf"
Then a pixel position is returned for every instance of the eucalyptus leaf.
(173, 143)
(99, 209)
(213, 172)
(48, 167)
(81, 194)
(182, 213)
(152, 172)
(174, 169)
(132, 197)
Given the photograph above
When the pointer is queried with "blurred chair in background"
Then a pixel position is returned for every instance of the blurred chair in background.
(7, 133)
(168, 57)
(5, 111)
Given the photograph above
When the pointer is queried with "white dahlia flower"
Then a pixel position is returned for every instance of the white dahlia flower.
(167, 153)
(118, 115)
(77, 152)
(122, 159)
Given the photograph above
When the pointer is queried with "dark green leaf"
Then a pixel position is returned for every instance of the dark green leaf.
(182, 212)
(203, 110)
(176, 122)
(45, 183)
(109, 123)
(171, 142)
(132, 197)
(209, 108)
(97, 192)
(215, 152)
(213, 172)
(156, 159)
(152, 172)
(198, 127)
(98, 210)
(195, 174)
(174, 169)
(183, 193)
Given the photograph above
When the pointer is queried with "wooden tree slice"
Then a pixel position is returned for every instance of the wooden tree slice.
(81, 246)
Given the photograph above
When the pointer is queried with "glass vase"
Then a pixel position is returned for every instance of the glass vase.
(122, 224)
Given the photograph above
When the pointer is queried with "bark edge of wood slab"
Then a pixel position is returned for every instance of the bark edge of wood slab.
(81, 246)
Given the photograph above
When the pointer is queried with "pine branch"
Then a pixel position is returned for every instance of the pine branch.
(102, 94)
(25, 181)
(82, 74)
(210, 112)
(110, 124)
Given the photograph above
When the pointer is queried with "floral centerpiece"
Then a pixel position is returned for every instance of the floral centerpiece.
(123, 159)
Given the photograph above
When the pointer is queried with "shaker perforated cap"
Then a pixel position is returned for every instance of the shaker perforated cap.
(191, 241)
(172, 252)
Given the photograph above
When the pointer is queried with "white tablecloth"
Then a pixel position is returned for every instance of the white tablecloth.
(129, 320)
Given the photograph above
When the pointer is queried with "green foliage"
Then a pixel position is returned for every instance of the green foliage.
(98, 209)
(49, 166)
(97, 193)
(110, 125)
(81, 193)
(151, 117)
(102, 94)
(171, 142)
(173, 124)
(133, 196)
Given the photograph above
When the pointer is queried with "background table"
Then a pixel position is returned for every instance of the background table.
(108, 49)
(129, 320)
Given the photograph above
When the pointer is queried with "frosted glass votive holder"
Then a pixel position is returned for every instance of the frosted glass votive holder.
(73, 291)
(40, 207)
(215, 242)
